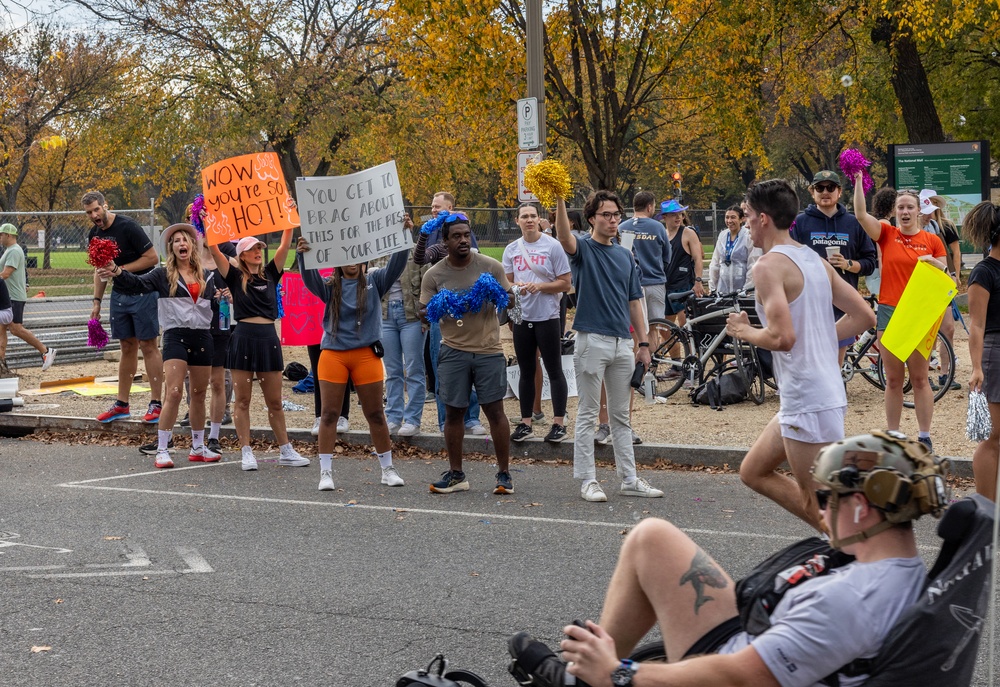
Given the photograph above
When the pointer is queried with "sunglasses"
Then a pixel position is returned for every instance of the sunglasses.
(826, 188)
(823, 497)
(456, 217)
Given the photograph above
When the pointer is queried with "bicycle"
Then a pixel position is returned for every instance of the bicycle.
(701, 349)
(865, 358)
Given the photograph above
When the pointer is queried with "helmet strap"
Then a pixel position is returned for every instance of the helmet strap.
(837, 543)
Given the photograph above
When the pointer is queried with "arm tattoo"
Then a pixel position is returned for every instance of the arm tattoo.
(703, 572)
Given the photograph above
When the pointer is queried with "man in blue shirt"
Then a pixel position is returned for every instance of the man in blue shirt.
(652, 252)
(608, 302)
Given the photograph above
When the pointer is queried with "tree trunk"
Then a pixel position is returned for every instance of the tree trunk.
(288, 156)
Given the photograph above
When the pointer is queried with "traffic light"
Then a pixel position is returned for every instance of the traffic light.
(676, 177)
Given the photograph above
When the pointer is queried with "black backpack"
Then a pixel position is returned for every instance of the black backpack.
(440, 677)
(295, 372)
(934, 643)
(724, 390)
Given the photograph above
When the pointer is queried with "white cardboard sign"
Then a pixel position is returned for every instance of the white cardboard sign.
(352, 218)
(569, 371)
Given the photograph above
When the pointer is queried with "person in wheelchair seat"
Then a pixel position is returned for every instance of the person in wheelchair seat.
(825, 629)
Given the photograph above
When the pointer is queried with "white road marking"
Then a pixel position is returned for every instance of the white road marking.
(196, 565)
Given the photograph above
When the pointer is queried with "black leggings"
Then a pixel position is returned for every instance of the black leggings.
(546, 338)
(345, 410)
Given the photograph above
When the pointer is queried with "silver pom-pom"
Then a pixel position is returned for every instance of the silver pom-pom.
(977, 424)
(514, 309)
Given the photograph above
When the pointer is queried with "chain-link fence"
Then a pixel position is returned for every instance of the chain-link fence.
(496, 226)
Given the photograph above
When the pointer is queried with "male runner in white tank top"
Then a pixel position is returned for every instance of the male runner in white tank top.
(794, 290)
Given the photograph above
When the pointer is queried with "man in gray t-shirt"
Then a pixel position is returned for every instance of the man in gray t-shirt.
(13, 273)
(651, 247)
(819, 627)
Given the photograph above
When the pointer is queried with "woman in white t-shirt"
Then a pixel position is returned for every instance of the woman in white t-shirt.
(537, 263)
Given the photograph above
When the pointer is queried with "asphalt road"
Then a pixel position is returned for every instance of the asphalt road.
(207, 575)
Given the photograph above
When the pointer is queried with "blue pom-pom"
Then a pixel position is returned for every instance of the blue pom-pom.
(455, 305)
(434, 223)
(281, 305)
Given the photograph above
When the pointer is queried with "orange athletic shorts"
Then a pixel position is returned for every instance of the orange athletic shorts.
(360, 364)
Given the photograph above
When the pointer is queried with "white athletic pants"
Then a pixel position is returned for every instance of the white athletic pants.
(608, 359)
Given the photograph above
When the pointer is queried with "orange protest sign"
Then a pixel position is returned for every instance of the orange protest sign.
(245, 196)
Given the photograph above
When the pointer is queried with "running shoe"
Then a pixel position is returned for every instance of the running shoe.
(326, 480)
(391, 478)
(451, 480)
(214, 446)
(152, 449)
(152, 415)
(48, 357)
(203, 454)
(504, 484)
(115, 412)
(477, 429)
(293, 459)
(521, 432)
(342, 425)
(408, 429)
(248, 462)
(591, 491)
(163, 460)
(603, 435)
(315, 430)
(556, 434)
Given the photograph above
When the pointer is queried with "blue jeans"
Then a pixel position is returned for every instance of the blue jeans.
(472, 412)
(404, 351)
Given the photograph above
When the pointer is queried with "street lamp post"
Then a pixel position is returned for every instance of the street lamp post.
(535, 31)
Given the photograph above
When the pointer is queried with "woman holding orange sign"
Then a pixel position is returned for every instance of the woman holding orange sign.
(902, 248)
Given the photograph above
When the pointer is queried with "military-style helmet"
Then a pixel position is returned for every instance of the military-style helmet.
(900, 477)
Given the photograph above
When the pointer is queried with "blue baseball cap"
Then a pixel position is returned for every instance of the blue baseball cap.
(669, 206)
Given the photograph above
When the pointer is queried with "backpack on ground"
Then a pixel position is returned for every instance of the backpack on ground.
(437, 674)
(724, 390)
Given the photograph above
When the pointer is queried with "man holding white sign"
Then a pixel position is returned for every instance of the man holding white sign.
(353, 218)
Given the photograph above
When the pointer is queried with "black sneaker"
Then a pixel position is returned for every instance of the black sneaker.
(450, 481)
(186, 420)
(213, 445)
(151, 449)
(533, 663)
(926, 441)
(556, 434)
(521, 432)
(504, 485)
(227, 419)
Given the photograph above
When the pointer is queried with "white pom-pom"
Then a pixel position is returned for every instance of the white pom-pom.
(847, 81)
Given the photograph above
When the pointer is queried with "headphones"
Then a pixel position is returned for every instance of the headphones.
(901, 497)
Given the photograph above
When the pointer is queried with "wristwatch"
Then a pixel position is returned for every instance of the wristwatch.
(850, 264)
(622, 675)
(699, 280)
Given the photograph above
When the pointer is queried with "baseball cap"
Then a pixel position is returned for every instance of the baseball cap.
(826, 175)
(246, 243)
(8, 229)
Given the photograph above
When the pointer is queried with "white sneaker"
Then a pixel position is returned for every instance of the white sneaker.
(326, 480)
(391, 478)
(342, 425)
(315, 430)
(394, 427)
(640, 487)
(163, 460)
(592, 492)
(248, 461)
(478, 430)
(292, 459)
(409, 429)
(50, 355)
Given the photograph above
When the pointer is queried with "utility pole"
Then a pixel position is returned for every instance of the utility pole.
(535, 31)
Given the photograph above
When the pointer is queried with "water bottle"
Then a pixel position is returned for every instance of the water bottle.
(223, 314)
(865, 338)
(648, 384)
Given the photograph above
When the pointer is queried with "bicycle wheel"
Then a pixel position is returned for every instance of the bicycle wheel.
(668, 359)
(650, 652)
(749, 366)
(934, 364)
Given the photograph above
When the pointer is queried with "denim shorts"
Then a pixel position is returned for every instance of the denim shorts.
(134, 317)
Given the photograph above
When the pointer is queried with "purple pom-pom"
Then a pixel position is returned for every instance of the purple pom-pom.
(96, 336)
(851, 162)
(196, 207)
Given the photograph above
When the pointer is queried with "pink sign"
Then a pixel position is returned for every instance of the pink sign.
(302, 324)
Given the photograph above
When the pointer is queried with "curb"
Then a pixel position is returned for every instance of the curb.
(14, 425)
